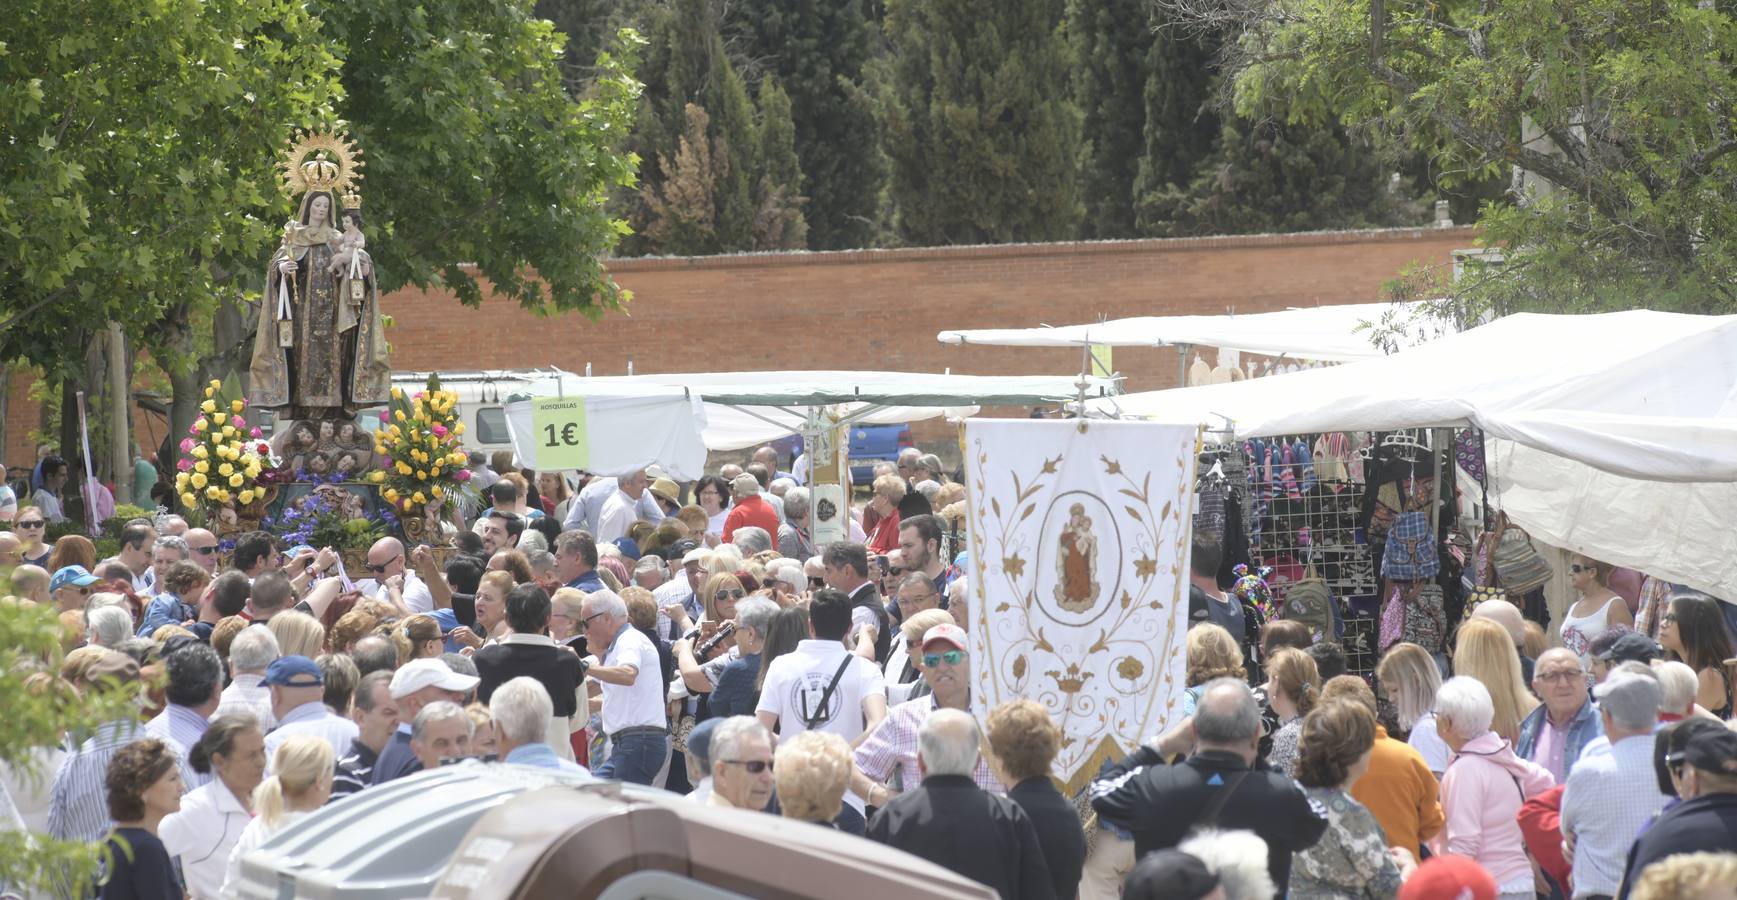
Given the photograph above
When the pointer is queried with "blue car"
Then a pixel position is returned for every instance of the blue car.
(870, 444)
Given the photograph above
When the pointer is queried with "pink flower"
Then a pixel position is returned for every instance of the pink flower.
(238, 421)
(187, 444)
(256, 432)
(385, 416)
(183, 464)
(440, 431)
(193, 431)
(461, 475)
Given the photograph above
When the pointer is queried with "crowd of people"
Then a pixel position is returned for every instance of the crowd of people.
(697, 639)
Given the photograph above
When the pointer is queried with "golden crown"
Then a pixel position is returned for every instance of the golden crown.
(352, 199)
(321, 161)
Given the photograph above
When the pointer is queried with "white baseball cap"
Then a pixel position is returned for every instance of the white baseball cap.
(417, 674)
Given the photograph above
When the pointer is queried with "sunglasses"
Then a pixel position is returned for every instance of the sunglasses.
(35, 524)
(815, 581)
(378, 569)
(204, 550)
(587, 619)
(1577, 569)
(951, 657)
(1565, 675)
(729, 594)
(895, 570)
(754, 766)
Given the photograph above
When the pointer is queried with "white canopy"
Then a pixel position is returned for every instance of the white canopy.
(1326, 333)
(1641, 394)
(1586, 415)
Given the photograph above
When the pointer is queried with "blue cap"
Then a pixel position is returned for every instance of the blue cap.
(294, 671)
(628, 547)
(66, 575)
(700, 741)
(298, 550)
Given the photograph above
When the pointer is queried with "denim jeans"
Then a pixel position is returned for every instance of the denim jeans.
(635, 758)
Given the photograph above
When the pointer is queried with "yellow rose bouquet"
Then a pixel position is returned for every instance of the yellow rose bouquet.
(421, 464)
(221, 457)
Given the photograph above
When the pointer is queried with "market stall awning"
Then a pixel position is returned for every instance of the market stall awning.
(1324, 333)
(1641, 394)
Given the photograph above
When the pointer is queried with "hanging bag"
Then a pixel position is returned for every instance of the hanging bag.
(1411, 553)
(1519, 566)
(1309, 603)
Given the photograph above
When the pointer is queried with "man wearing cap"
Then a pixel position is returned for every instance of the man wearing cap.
(1555, 733)
(888, 757)
(78, 799)
(576, 561)
(194, 690)
(678, 598)
(1706, 820)
(750, 507)
(415, 685)
(386, 560)
(625, 672)
(1614, 646)
(667, 494)
(70, 587)
(297, 699)
(622, 508)
(1610, 795)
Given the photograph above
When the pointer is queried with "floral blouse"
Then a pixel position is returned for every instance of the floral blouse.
(1283, 758)
(1350, 860)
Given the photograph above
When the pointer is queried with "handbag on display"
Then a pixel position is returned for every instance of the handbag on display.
(1411, 553)
(1479, 579)
(1425, 617)
(1392, 617)
(1519, 566)
(1310, 603)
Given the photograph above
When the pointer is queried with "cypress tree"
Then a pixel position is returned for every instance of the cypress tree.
(984, 141)
(1112, 43)
(1181, 125)
(816, 50)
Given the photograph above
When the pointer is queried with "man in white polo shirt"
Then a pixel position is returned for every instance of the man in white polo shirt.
(822, 686)
(625, 672)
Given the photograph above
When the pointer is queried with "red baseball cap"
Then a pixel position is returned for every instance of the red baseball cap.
(1449, 878)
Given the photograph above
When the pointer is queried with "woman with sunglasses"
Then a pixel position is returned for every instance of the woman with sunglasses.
(1693, 631)
(30, 527)
(1597, 609)
(708, 647)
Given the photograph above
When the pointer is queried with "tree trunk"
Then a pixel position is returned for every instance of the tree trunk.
(120, 434)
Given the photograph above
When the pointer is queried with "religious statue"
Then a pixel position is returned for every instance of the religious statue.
(1077, 563)
(320, 349)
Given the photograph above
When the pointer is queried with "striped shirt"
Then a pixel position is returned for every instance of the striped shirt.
(181, 727)
(1607, 800)
(892, 747)
(78, 803)
(247, 694)
(354, 770)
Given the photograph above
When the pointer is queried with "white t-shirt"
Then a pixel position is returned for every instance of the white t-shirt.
(798, 679)
(619, 513)
(639, 704)
(1428, 743)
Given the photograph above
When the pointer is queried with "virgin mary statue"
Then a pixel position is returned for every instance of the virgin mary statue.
(320, 350)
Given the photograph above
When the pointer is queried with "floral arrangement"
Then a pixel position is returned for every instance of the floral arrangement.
(421, 465)
(222, 458)
(329, 517)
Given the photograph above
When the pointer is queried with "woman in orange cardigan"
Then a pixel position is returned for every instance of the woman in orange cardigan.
(1398, 788)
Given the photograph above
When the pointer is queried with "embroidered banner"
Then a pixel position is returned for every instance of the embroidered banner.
(1079, 546)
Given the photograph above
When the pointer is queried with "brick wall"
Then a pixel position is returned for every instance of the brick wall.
(880, 309)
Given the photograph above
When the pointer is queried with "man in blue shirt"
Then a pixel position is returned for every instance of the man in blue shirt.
(576, 561)
(1609, 795)
(521, 710)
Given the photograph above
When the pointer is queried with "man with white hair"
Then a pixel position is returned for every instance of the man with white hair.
(621, 510)
(108, 626)
(625, 673)
(168, 550)
(1555, 734)
(749, 507)
(250, 654)
(741, 755)
(952, 822)
(415, 685)
(1610, 795)
(442, 731)
(520, 710)
(751, 539)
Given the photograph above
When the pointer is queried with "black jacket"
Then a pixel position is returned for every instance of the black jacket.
(1058, 831)
(557, 668)
(952, 822)
(1162, 803)
(1705, 823)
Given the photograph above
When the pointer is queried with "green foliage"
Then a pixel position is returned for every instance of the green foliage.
(985, 145)
(1619, 112)
(1114, 43)
(817, 51)
(39, 712)
(124, 512)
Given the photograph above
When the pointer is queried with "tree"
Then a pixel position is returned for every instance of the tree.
(689, 66)
(1114, 45)
(1618, 114)
(1182, 123)
(816, 51)
(984, 143)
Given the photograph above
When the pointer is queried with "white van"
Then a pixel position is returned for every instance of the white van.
(480, 396)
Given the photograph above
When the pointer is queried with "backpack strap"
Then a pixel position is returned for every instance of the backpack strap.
(813, 719)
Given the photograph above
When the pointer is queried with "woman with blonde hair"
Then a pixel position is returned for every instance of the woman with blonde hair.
(702, 653)
(351, 627)
(1484, 650)
(566, 612)
(813, 770)
(1212, 653)
(303, 782)
(298, 634)
(417, 637)
(1409, 678)
(1293, 687)
(888, 491)
(1023, 741)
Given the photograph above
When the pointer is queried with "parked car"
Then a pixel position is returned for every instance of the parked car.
(480, 831)
(870, 444)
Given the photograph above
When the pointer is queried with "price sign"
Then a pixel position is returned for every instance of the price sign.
(558, 430)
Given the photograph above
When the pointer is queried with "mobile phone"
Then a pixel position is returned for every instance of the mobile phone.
(881, 561)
